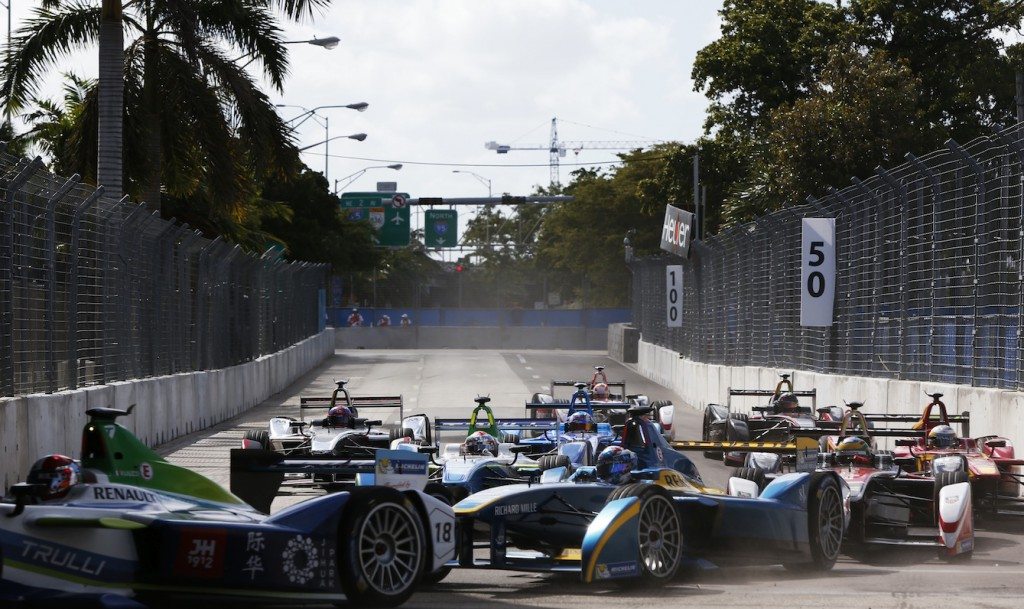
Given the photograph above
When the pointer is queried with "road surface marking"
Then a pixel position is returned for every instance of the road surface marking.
(529, 367)
(536, 376)
(522, 360)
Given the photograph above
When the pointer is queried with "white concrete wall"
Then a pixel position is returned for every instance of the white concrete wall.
(471, 337)
(166, 406)
(993, 411)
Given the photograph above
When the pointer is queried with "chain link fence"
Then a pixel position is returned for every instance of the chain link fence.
(928, 277)
(94, 290)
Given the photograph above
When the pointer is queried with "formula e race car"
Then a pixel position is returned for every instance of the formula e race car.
(610, 393)
(487, 454)
(773, 422)
(988, 462)
(342, 434)
(648, 526)
(888, 505)
(125, 522)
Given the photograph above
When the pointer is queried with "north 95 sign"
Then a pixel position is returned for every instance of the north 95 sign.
(817, 271)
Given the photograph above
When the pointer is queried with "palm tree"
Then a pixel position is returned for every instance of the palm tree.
(195, 123)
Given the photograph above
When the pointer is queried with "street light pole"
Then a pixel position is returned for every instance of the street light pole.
(486, 182)
(307, 113)
(355, 176)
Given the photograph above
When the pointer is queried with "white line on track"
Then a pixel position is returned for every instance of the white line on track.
(536, 376)
(529, 367)
(522, 360)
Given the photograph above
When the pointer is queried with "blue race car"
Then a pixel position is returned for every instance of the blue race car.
(124, 522)
(633, 518)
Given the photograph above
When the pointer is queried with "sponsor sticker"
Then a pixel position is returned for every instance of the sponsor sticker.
(514, 509)
(615, 570)
(201, 553)
(122, 494)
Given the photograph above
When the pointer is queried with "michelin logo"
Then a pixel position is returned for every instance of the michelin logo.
(616, 569)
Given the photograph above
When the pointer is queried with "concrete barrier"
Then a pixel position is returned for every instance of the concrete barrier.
(993, 411)
(165, 406)
(623, 341)
(472, 337)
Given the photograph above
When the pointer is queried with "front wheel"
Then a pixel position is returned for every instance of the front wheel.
(825, 525)
(380, 547)
(659, 535)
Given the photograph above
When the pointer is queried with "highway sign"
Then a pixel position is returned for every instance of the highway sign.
(386, 211)
(441, 227)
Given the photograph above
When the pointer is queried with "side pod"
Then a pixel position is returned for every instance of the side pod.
(610, 549)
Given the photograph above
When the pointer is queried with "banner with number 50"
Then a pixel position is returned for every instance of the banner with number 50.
(817, 271)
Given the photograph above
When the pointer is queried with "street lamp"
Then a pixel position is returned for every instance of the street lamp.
(479, 177)
(328, 43)
(355, 136)
(355, 176)
(322, 119)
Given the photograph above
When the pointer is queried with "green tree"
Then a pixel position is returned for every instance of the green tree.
(196, 124)
(861, 113)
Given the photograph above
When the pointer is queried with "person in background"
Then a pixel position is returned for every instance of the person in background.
(406, 322)
(385, 320)
(355, 319)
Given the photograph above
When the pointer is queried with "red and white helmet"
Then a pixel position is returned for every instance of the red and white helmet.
(58, 473)
(479, 443)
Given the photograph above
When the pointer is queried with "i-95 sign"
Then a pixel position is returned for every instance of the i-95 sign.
(674, 295)
(817, 271)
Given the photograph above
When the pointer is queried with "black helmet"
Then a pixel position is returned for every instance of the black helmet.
(787, 402)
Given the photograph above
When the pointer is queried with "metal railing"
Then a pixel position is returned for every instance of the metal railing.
(929, 282)
(94, 290)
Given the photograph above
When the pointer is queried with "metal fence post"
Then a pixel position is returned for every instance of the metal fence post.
(51, 280)
(969, 160)
(876, 272)
(901, 193)
(8, 384)
(936, 188)
(1018, 148)
(72, 303)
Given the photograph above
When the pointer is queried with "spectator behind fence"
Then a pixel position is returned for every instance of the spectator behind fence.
(355, 319)
(406, 322)
(384, 321)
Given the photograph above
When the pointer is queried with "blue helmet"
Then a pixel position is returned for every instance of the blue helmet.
(580, 421)
(615, 463)
(340, 416)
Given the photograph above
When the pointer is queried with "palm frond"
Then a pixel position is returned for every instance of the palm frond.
(46, 37)
(298, 9)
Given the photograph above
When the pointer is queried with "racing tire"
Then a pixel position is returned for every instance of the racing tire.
(259, 435)
(552, 461)
(372, 563)
(825, 524)
(754, 474)
(945, 479)
(659, 535)
(438, 491)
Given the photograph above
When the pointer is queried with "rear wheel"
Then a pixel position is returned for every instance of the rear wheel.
(262, 436)
(659, 534)
(825, 524)
(381, 548)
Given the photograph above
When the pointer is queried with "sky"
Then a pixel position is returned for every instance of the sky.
(442, 77)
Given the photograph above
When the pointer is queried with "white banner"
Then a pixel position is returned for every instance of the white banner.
(817, 271)
(674, 295)
(676, 231)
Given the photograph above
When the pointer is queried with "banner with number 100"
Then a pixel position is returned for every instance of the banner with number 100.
(817, 272)
(674, 295)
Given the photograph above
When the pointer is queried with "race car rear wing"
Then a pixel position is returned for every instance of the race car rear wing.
(257, 475)
(767, 393)
(441, 425)
(383, 401)
(611, 384)
(593, 405)
(800, 440)
(963, 419)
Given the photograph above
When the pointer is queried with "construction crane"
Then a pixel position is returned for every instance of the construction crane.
(556, 149)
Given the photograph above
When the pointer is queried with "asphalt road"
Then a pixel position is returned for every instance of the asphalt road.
(444, 383)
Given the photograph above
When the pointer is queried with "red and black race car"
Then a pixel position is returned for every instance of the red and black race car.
(773, 422)
(988, 461)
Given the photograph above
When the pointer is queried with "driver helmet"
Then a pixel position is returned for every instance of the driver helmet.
(58, 473)
(942, 436)
(615, 463)
(340, 416)
(479, 443)
(853, 451)
(601, 391)
(580, 422)
(787, 402)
